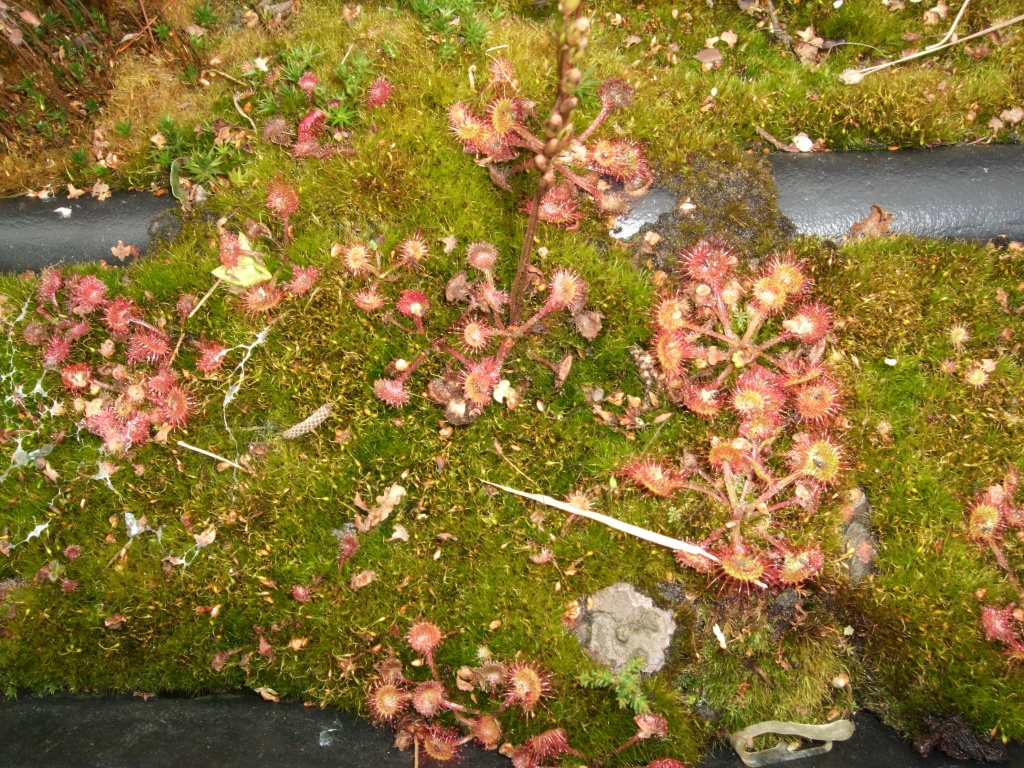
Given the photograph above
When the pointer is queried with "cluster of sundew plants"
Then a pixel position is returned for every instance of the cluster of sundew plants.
(420, 711)
(288, 86)
(989, 515)
(975, 373)
(479, 343)
(121, 377)
(128, 379)
(493, 321)
(749, 344)
(611, 171)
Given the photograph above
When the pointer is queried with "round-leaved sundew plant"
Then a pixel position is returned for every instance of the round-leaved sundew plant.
(480, 341)
(427, 717)
(118, 371)
(761, 333)
(750, 488)
(989, 515)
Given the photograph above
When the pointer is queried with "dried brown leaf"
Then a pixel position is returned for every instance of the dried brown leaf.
(876, 224)
(361, 579)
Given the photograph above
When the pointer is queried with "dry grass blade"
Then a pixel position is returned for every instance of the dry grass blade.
(611, 522)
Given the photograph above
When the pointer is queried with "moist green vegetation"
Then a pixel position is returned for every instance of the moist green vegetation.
(927, 443)
(923, 440)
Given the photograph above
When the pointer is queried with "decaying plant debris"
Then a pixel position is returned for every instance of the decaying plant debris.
(208, 482)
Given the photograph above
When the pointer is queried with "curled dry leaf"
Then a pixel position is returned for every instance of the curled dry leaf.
(268, 694)
(876, 224)
(562, 371)
(298, 643)
(100, 190)
(115, 621)
(121, 251)
(1012, 116)
(134, 526)
(361, 579)
(709, 58)
(205, 538)
(588, 324)
(449, 243)
(386, 503)
(399, 534)
(220, 660)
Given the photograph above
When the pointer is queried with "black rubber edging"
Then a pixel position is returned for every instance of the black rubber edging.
(956, 193)
(37, 233)
(243, 730)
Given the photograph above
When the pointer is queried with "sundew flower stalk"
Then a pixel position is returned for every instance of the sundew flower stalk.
(481, 341)
(611, 171)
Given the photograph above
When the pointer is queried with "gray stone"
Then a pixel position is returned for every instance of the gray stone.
(858, 542)
(621, 624)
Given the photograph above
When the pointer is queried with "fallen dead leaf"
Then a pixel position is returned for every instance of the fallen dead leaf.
(709, 58)
(115, 621)
(268, 694)
(74, 192)
(100, 190)
(121, 251)
(399, 534)
(588, 324)
(386, 504)
(298, 643)
(361, 579)
(803, 142)
(876, 224)
(1012, 116)
(729, 37)
(266, 650)
(562, 371)
(205, 538)
(448, 242)
(936, 14)
(220, 660)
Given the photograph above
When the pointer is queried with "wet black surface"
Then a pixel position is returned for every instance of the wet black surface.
(871, 746)
(243, 730)
(963, 193)
(224, 731)
(35, 233)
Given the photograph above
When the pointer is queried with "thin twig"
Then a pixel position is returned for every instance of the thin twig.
(229, 462)
(144, 29)
(238, 108)
(145, 19)
(854, 76)
(203, 300)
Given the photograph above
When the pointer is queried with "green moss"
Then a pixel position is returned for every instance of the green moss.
(923, 440)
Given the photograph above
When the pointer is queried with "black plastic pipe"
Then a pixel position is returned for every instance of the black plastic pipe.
(959, 193)
(36, 233)
(964, 193)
